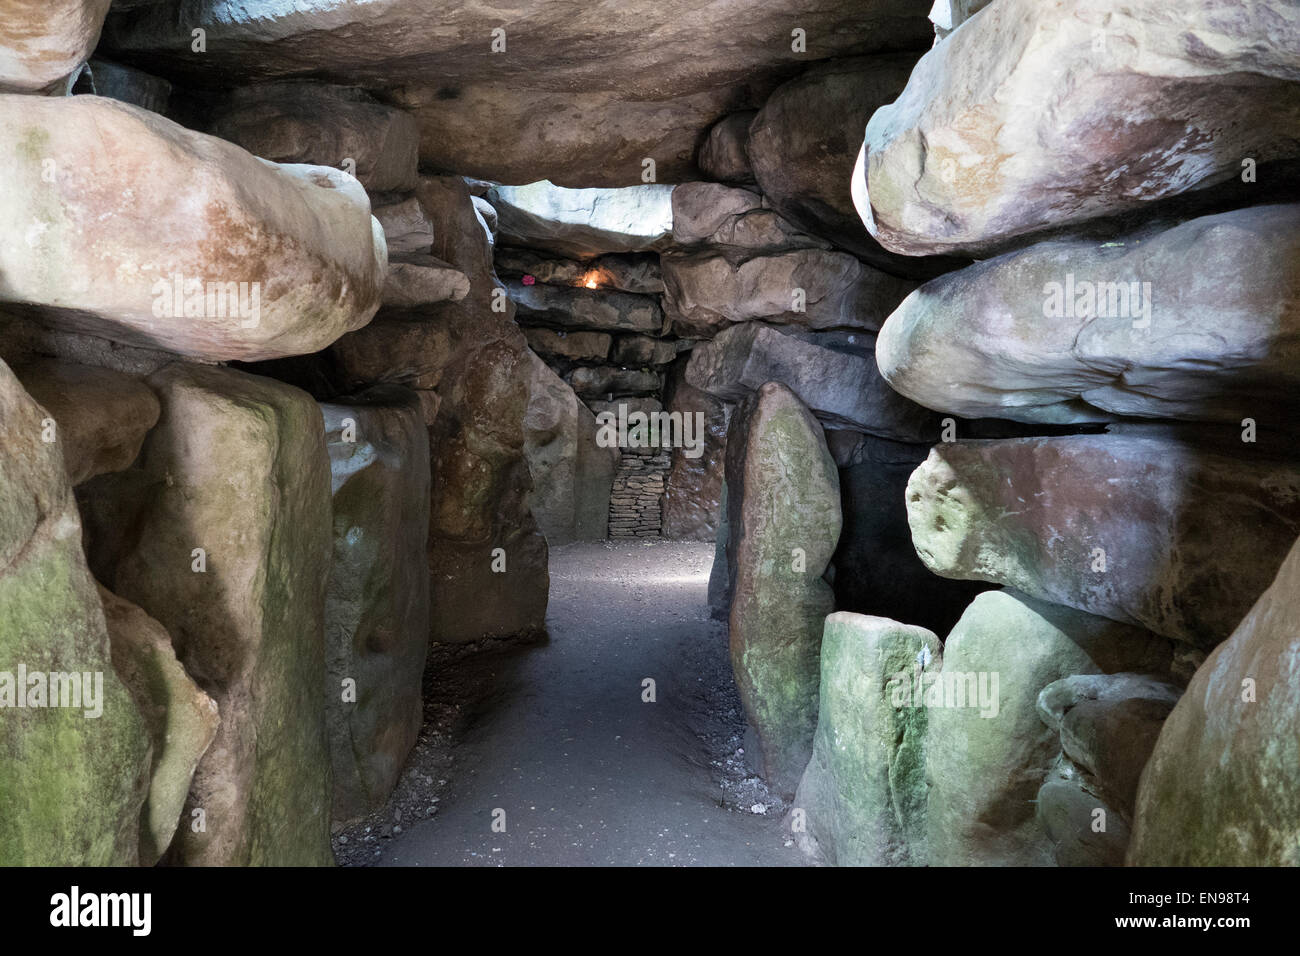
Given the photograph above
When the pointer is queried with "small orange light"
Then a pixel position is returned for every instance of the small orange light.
(591, 283)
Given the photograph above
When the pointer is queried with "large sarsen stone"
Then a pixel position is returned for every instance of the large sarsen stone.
(783, 522)
(1137, 526)
(1037, 115)
(153, 235)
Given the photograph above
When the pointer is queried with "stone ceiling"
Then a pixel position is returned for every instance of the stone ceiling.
(582, 93)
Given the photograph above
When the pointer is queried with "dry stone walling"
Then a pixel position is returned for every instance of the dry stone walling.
(582, 269)
(297, 377)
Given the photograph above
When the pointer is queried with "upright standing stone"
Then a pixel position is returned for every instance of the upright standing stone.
(784, 521)
(229, 549)
(572, 475)
(377, 601)
(487, 559)
(722, 154)
(72, 779)
(720, 572)
(863, 795)
(1222, 787)
(988, 751)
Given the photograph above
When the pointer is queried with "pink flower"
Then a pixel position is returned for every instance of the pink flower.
(529, 280)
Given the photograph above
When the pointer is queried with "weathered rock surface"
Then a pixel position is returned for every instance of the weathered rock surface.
(735, 218)
(100, 416)
(1113, 739)
(607, 380)
(1235, 734)
(406, 227)
(864, 791)
(236, 467)
(709, 212)
(25, 341)
(842, 387)
(580, 223)
(1059, 696)
(181, 719)
(42, 41)
(570, 346)
(377, 599)
(987, 751)
(412, 351)
(571, 474)
(586, 309)
(578, 94)
(575, 137)
(1081, 827)
(462, 237)
(73, 783)
(414, 280)
(692, 500)
(641, 350)
(812, 288)
(1108, 727)
(1137, 527)
(877, 570)
(1077, 331)
(306, 258)
(307, 122)
(638, 272)
(487, 558)
(722, 154)
(784, 520)
(129, 85)
(1037, 116)
(803, 141)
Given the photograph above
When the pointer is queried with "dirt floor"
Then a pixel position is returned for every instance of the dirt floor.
(555, 733)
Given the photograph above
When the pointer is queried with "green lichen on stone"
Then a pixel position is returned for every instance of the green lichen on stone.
(71, 786)
(864, 794)
(788, 507)
(237, 466)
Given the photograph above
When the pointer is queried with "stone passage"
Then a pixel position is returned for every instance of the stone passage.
(636, 503)
(972, 347)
